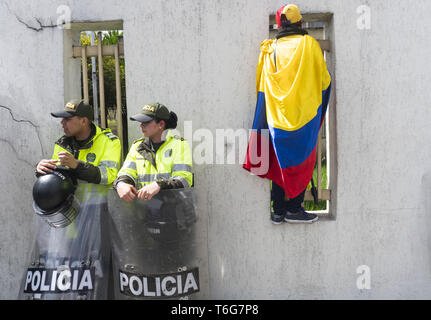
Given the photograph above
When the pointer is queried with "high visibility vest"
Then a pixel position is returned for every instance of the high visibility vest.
(102, 151)
(172, 160)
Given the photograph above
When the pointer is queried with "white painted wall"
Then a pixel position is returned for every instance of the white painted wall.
(199, 58)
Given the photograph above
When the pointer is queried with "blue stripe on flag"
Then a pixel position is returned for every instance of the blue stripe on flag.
(294, 147)
(260, 121)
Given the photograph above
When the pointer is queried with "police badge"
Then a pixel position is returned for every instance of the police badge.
(91, 157)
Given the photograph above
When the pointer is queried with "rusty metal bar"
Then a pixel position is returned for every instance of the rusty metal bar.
(94, 83)
(326, 195)
(101, 82)
(325, 45)
(119, 113)
(93, 51)
(84, 74)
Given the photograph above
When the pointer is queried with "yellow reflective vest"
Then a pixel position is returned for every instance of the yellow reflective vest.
(172, 160)
(102, 151)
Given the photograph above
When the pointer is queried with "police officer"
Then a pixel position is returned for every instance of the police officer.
(92, 153)
(157, 161)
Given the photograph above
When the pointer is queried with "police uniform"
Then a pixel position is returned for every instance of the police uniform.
(98, 160)
(81, 239)
(169, 163)
(160, 234)
(98, 156)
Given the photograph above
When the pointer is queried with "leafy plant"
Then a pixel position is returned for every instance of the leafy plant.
(310, 205)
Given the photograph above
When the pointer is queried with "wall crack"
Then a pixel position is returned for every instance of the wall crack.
(41, 26)
(37, 29)
(16, 153)
(23, 121)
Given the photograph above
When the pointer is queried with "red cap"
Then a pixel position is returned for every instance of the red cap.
(278, 16)
(291, 12)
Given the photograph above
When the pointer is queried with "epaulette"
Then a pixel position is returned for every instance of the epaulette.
(139, 140)
(178, 137)
(110, 135)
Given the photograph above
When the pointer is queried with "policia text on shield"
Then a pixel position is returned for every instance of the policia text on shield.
(159, 161)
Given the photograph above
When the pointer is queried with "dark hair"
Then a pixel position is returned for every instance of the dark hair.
(172, 122)
(285, 24)
(297, 24)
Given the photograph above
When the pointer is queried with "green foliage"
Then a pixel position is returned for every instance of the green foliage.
(108, 38)
(310, 205)
(111, 37)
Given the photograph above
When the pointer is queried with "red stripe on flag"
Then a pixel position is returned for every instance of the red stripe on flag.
(293, 180)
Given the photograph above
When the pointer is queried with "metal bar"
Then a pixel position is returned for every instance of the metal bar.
(93, 51)
(326, 195)
(319, 165)
(94, 80)
(325, 45)
(84, 73)
(101, 82)
(119, 113)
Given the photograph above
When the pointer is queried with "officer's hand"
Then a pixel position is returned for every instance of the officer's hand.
(67, 159)
(46, 166)
(149, 191)
(126, 191)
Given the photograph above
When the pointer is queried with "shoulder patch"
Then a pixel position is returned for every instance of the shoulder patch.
(110, 135)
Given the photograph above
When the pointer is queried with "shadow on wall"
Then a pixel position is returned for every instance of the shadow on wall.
(426, 200)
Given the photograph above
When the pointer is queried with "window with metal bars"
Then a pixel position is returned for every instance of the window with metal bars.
(320, 27)
(100, 48)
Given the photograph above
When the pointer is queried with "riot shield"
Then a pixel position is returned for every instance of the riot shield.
(156, 250)
(70, 262)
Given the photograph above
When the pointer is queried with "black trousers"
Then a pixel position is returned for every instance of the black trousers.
(278, 203)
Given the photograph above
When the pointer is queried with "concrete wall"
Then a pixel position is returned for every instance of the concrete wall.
(199, 57)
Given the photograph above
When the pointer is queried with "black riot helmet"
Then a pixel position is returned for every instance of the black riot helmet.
(53, 195)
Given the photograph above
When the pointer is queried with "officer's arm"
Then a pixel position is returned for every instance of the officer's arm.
(128, 172)
(110, 162)
(124, 179)
(172, 183)
(48, 165)
(84, 171)
(182, 173)
(87, 172)
(107, 170)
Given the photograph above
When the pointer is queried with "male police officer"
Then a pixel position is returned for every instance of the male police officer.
(92, 153)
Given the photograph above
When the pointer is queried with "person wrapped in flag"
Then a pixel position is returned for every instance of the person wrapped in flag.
(293, 90)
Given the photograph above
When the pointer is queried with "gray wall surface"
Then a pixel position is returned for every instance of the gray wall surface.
(199, 58)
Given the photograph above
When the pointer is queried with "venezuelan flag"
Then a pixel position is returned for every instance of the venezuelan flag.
(293, 94)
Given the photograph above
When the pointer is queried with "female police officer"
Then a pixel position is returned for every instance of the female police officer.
(156, 162)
